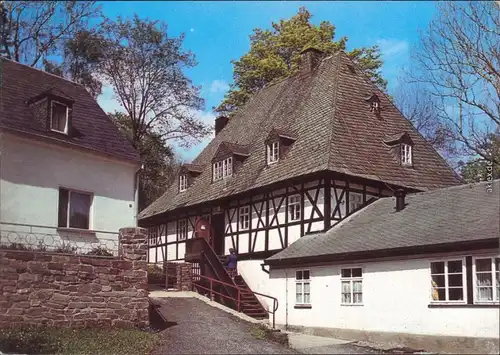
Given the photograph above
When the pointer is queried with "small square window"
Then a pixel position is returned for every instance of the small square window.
(74, 209)
(59, 117)
(447, 281)
(223, 169)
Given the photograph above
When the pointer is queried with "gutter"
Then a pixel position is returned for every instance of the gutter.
(136, 194)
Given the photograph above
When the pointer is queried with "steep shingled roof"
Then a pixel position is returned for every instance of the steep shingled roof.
(20, 83)
(450, 215)
(335, 130)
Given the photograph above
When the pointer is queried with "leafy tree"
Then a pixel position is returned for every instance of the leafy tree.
(34, 30)
(145, 68)
(160, 162)
(275, 54)
(481, 169)
(458, 63)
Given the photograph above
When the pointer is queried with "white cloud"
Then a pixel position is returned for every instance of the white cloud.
(393, 47)
(191, 29)
(188, 154)
(219, 86)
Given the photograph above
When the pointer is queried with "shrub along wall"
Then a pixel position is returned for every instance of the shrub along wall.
(39, 288)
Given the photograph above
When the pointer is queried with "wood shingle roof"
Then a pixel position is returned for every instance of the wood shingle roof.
(21, 85)
(334, 129)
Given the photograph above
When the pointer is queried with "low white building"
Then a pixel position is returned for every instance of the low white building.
(67, 175)
(424, 272)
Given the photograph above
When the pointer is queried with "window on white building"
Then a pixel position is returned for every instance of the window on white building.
(355, 201)
(486, 280)
(182, 183)
(59, 117)
(244, 217)
(448, 281)
(223, 169)
(181, 229)
(294, 207)
(74, 209)
(352, 285)
(302, 287)
(273, 152)
(406, 158)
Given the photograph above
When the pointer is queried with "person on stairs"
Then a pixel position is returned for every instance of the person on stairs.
(231, 263)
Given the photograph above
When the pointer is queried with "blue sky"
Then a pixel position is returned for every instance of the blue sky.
(217, 32)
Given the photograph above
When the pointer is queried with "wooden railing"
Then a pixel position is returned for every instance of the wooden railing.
(236, 299)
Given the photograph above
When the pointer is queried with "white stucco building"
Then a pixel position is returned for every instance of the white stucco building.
(67, 175)
(426, 275)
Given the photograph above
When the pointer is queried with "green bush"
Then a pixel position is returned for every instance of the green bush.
(155, 271)
(99, 251)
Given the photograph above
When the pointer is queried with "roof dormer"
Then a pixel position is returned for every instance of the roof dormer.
(228, 159)
(374, 102)
(53, 109)
(278, 143)
(187, 175)
(401, 146)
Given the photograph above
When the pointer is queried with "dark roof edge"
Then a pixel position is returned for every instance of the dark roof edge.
(46, 139)
(489, 243)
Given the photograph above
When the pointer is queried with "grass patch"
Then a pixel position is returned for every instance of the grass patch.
(260, 331)
(77, 341)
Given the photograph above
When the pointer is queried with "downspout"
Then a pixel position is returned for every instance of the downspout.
(136, 194)
(286, 299)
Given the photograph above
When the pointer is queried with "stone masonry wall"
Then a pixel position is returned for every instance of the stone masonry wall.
(76, 291)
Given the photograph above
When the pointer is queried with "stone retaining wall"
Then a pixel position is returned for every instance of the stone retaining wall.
(76, 291)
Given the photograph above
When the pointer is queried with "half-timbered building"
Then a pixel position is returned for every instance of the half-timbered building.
(300, 156)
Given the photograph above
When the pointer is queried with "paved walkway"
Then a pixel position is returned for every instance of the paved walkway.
(196, 326)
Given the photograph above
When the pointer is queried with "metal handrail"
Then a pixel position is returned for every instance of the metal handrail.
(238, 300)
(75, 230)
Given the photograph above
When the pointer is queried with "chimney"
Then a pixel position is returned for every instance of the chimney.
(220, 123)
(310, 58)
(400, 199)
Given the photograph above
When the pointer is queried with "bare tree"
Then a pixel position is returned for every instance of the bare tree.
(33, 30)
(458, 62)
(145, 68)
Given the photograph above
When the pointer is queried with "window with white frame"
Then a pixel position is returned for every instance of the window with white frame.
(352, 285)
(486, 279)
(448, 280)
(294, 207)
(59, 117)
(223, 169)
(181, 229)
(182, 183)
(74, 209)
(406, 158)
(244, 217)
(273, 152)
(355, 201)
(302, 287)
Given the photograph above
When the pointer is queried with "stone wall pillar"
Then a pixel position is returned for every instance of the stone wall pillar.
(184, 277)
(133, 244)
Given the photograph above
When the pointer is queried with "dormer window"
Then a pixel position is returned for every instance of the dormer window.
(273, 152)
(59, 117)
(406, 154)
(183, 183)
(223, 169)
(374, 102)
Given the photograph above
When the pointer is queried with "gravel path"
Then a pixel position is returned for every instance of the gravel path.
(197, 328)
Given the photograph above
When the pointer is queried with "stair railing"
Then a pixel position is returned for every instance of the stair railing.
(239, 302)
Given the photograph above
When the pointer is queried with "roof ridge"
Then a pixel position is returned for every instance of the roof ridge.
(43, 71)
(456, 187)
